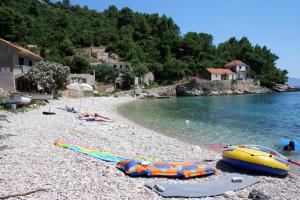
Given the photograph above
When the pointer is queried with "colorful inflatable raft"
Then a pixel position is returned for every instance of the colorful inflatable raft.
(98, 154)
(257, 158)
(186, 169)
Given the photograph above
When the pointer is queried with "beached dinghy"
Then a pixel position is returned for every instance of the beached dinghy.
(17, 99)
(257, 158)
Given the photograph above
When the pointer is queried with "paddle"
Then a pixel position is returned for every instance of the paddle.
(294, 162)
(217, 146)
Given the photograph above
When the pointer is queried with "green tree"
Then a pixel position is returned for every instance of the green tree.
(80, 64)
(12, 24)
(66, 4)
(128, 78)
(66, 48)
(60, 28)
(140, 69)
(106, 73)
(49, 75)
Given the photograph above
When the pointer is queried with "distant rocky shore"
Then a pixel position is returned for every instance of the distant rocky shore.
(284, 88)
(209, 88)
(223, 87)
(239, 87)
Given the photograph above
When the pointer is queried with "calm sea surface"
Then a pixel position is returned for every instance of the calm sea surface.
(250, 119)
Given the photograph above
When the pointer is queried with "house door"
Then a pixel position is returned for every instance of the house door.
(24, 85)
(224, 77)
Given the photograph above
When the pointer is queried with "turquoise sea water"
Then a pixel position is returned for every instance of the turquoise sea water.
(222, 120)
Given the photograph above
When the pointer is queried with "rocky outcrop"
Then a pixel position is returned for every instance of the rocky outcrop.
(164, 91)
(159, 92)
(220, 87)
(284, 88)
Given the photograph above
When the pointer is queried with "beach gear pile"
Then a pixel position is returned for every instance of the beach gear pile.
(145, 166)
(250, 157)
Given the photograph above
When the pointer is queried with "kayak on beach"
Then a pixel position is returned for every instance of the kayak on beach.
(257, 158)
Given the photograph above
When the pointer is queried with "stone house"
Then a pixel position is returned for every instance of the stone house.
(85, 78)
(219, 74)
(15, 62)
(240, 68)
(147, 79)
(119, 65)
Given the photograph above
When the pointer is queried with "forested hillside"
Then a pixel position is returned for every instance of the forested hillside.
(150, 41)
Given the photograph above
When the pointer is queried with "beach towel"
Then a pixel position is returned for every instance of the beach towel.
(97, 153)
(186, 169)
(209, 189)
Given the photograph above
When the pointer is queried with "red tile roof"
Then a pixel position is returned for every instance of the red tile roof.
(20, 49)
(220, 71)
(234, 63)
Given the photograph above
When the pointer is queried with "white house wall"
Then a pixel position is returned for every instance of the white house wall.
(7, 81)
(215, 77)
(241, 68)
(218, 76)
(7, 56)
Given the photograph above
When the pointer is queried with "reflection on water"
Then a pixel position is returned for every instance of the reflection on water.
(251, 119)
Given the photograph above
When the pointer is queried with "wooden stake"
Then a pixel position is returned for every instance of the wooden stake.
(23, 194)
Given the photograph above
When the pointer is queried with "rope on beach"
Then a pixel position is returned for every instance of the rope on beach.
(23, 194)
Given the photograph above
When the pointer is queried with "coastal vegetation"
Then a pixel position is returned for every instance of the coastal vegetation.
(50, 76)
(150, 41)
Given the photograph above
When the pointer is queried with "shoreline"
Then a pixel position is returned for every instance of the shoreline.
(160, 132)
(32, 161)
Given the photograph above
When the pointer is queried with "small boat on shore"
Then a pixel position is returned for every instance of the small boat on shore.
(257, 158)
(17, 99)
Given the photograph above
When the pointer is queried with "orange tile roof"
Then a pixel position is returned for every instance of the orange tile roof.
(220, 71)
(234, 63)
(21, 49)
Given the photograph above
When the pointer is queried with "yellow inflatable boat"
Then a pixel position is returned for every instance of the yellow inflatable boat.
(257, 158)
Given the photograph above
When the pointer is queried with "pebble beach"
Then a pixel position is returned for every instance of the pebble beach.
(30, 160)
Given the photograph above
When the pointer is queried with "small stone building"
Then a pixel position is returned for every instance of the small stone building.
(15, 62)
(147, 79)
(241, 69)
(119, 65)
(219, 74)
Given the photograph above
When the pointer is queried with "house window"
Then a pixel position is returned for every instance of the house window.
(21, 61)
(115, 66)
(121, 66)
(216, 75)
(29, 62)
